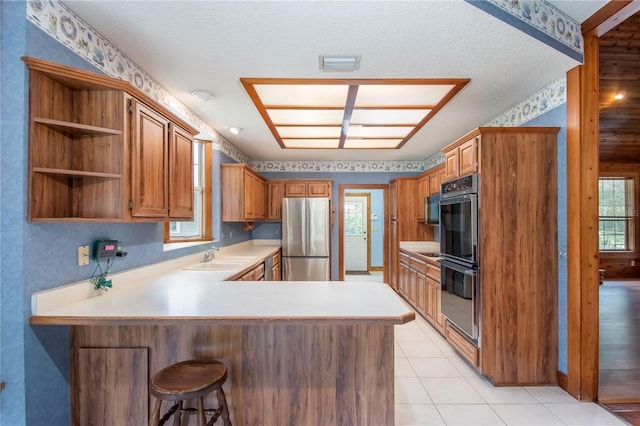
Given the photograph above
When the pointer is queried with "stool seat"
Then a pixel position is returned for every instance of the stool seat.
(188, 379)
(192, 379)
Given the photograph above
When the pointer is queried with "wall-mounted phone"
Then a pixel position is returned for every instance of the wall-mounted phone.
(107, 249)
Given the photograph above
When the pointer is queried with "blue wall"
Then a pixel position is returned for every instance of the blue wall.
(38, 256)
(557, 117)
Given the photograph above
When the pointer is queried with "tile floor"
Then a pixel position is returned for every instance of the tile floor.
(434, 386)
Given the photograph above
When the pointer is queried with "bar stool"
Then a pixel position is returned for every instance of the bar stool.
(189, 380)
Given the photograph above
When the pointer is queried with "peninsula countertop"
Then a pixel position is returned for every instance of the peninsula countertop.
(193, 297)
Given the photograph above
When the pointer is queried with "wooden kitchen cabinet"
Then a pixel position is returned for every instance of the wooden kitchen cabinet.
(276, 268)
(461, 157)
(100, 149)
(403, 221)
(278, 189)
(275, 194)
(181, 174)
(243, 194)
(308, 189)
(420, 286)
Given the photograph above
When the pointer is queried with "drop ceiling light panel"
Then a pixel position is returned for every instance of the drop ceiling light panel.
(357, 113)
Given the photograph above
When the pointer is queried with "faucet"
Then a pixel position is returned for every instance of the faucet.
(210, 254)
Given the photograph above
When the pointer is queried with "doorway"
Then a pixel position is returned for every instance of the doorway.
(363, 232)
(583, 158)
(357, 228)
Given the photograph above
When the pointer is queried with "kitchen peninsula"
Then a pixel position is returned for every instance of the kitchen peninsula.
(302, 353)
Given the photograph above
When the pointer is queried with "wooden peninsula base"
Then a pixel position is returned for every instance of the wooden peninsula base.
(279, 373)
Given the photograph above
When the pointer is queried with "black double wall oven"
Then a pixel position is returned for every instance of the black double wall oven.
(459, 246)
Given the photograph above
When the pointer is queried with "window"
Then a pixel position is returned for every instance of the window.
(200, 227)
(353, 220)
(617, 213)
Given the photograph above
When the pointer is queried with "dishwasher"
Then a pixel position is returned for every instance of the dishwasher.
(268, 269)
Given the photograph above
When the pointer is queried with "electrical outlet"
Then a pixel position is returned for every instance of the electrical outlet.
(633, 263)
(83, 255)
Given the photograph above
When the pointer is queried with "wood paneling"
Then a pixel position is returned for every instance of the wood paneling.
(111, 386)
(619, 70)
(278, 374)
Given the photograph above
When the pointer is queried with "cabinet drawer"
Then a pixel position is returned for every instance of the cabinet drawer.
(462, 345)
(404, 258)
(418, 265)
(433, 272)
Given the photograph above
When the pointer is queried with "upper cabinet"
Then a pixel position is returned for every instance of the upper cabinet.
(278, 189)
(308, 189)
(461, 157)
(101, 150)
(243, 194)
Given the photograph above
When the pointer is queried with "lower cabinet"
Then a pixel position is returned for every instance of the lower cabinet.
(276, 268)
(98, 386)
(419, 284)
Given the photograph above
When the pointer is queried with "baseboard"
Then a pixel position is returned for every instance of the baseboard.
(563, 380)
(376, 268)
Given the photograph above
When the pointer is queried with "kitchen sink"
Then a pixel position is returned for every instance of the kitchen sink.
(216, 265)
(241, 258)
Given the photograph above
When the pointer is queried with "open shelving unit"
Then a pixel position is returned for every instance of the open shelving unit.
(76, 149)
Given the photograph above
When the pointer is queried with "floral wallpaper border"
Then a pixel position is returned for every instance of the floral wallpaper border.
(70, 30)
(338, 166)
(546, 18)
(537, 104)
(67, 28)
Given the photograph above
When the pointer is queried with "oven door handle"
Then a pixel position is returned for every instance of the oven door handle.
(474, 225)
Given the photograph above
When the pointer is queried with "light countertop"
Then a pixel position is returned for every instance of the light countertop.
(188, 296)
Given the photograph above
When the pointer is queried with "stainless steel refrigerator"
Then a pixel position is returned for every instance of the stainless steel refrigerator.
(306, 233)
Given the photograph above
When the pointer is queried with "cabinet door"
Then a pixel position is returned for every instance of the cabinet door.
(440, 319)
(431, 300)
(149, 162)
(319, 189)
(451, 164)
(421, 293)
(254, 197)
(404, 278)
(393, 258)
(275, 193)
(181, 173)
(434, 183)
(467, 157)
(120, 402)
(393, 200)
(295, 189)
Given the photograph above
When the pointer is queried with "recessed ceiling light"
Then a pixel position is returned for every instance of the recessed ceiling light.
(203, 95)
(235, 130)
(339, 63)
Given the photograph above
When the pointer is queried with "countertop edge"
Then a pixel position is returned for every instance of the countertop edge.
(199, 320)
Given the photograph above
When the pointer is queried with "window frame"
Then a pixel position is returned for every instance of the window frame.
(207, 199)
(632, 219)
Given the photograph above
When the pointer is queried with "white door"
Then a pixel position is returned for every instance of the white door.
(355, 233)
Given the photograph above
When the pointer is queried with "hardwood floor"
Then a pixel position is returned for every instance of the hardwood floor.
(619, 377)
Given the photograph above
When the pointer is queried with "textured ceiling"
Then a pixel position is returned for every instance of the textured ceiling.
(187, 45)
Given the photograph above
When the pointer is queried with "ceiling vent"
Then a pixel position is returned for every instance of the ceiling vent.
(339, 63)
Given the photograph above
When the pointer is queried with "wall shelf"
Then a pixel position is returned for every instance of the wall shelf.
(76, 128)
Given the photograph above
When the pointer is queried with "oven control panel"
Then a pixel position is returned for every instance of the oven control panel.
(464, 185)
